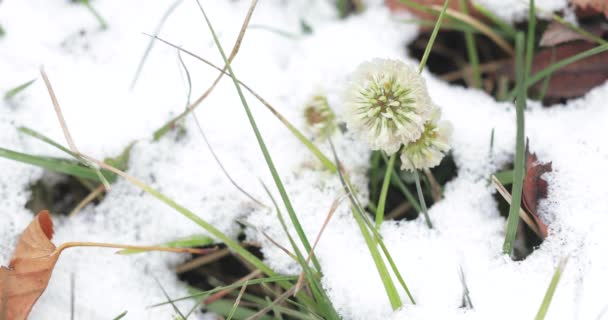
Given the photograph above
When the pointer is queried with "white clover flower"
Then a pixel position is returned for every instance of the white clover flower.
(387, 104)
(320, 119)
(431, 147)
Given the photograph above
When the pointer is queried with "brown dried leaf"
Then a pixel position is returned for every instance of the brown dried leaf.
(594, 6)
(557, 33)
(29, 271)
(535, 188)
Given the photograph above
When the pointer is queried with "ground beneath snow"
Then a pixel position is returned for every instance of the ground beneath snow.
(91, 71)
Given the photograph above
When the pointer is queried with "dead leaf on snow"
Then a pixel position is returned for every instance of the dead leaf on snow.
(535, 188)
(29, 271)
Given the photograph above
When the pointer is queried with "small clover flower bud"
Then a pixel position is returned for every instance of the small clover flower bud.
(431, 147)
(320, 119)
(387, 104)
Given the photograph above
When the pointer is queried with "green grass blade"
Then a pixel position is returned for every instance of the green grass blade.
(429, 45)
(14, 91)
(102, 22)
(66, 166)
(586, 34)
(275, 175)
(2, 31)
(564, 62)
(389, 286)
(505, 177)
(471, 49)
(530, 38)
(544, 307)
(384, 191)
(162, 21)
(120, 316)
(519, 163)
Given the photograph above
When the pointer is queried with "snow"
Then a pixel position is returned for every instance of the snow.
(91, 74)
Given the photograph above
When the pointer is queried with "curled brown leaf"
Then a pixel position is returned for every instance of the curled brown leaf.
(535, 188)
(29, 271)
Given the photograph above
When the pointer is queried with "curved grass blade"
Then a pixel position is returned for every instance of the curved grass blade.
(544, 307)
(16, 90)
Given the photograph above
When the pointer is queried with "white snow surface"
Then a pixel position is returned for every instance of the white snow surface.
(91, 74)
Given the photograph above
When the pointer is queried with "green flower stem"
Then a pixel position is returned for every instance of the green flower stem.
(384, 190)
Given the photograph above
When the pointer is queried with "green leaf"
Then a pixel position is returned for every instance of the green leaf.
(70, 167)
(14, 91)
(544, 307)
(519, 163)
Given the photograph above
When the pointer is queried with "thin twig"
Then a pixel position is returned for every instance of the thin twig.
(522, 214)
(96, 192)
(201, 261)
(216, 296)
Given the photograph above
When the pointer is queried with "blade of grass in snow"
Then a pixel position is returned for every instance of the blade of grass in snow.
(311, 147)
(102, 22)
(492, 143)
(530, 39)
(275, 175)
(14, 91)
(35, 134)
(429, 45)
(544, 307)
(519, 163)
(197, 240)
(164, 18)
(2, 32)
(276, 301)
(588, 35)
(505, 176)
(69, 167)
(471, 49)
(120, 316)
(466, 298)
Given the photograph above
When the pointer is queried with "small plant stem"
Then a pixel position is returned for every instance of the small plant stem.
(102, 22)
(519, 163)
(422, 201)
(129, 247)
(471, 50)
(98, 191)
(384, 190)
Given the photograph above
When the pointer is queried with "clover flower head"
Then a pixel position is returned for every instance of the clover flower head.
(320, 119)
(387, 104)
(431, 147)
